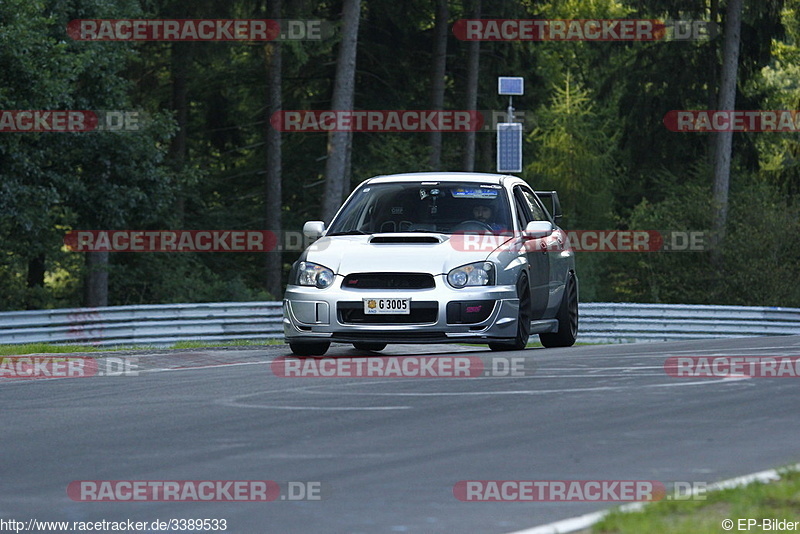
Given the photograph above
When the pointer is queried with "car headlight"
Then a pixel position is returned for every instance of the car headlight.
(474, 274)
(311, 274)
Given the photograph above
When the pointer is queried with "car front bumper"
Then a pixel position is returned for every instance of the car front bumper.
(439, 314)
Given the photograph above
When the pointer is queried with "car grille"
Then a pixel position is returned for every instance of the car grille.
(421, 312)
(388, 281)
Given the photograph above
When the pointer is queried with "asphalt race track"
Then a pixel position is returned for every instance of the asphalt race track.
(388, 451)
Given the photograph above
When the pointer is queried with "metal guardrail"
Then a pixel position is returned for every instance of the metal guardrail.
(162, 324)
(629, 322)
(228, 321)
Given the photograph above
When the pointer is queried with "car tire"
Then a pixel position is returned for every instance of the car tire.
(369, 346)
(567, 318)
(524, 316)
(309, 349)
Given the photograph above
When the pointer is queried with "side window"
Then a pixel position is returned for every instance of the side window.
(524, 214)
(536, 209)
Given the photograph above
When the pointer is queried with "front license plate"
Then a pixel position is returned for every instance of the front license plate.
(387, 306)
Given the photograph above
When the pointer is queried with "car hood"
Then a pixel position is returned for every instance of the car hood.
(396, 252)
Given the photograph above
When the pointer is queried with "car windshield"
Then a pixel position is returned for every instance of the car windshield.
(424, 207)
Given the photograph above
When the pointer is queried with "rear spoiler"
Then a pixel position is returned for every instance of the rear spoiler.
(551, 203)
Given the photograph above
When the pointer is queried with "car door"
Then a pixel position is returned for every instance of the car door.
(555, 244)
(539, 275)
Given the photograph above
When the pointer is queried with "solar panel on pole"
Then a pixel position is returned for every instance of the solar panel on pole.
(510, 85)
(509, 147)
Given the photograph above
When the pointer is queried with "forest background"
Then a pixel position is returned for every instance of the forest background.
(209, 158)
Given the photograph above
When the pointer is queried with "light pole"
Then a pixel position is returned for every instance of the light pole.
(509, 134)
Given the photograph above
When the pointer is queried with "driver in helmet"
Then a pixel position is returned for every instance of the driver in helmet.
(483, 212)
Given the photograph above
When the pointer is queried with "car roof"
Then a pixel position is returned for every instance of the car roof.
(477, 177)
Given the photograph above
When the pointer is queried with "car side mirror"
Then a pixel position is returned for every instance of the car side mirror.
(554, 207)
(537, 229)
(313, 229)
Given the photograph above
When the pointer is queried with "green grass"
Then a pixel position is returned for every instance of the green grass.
(47, 348)
(776, 500)
(235, 343)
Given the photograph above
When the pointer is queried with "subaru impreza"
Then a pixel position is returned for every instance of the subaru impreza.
(431, 258)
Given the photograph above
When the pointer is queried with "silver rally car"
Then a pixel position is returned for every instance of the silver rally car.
(431, 258)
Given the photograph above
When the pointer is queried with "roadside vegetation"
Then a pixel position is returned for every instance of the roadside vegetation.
(776, 500)
(206, 157)
(48, 348)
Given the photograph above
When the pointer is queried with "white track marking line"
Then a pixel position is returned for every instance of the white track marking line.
(310, 389)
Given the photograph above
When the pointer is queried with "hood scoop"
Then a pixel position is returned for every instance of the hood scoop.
(392, 239)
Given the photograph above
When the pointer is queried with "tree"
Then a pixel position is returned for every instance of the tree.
(273, 201)
(35, 73)
(727, 102)
(336, 180)
(473, 71)
(573, 155)
(438, 73)
(89, 180)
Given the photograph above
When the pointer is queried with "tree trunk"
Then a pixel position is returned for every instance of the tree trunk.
(272, 219)
(95, 285)
(348, 163)
(36, 270)
(486, 161)
(336, 179)
(437, 77)
(727, 101)
(181, 57)
(473, 70)
(713, 79)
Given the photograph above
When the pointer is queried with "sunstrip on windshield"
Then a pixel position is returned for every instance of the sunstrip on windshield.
(461, 192)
